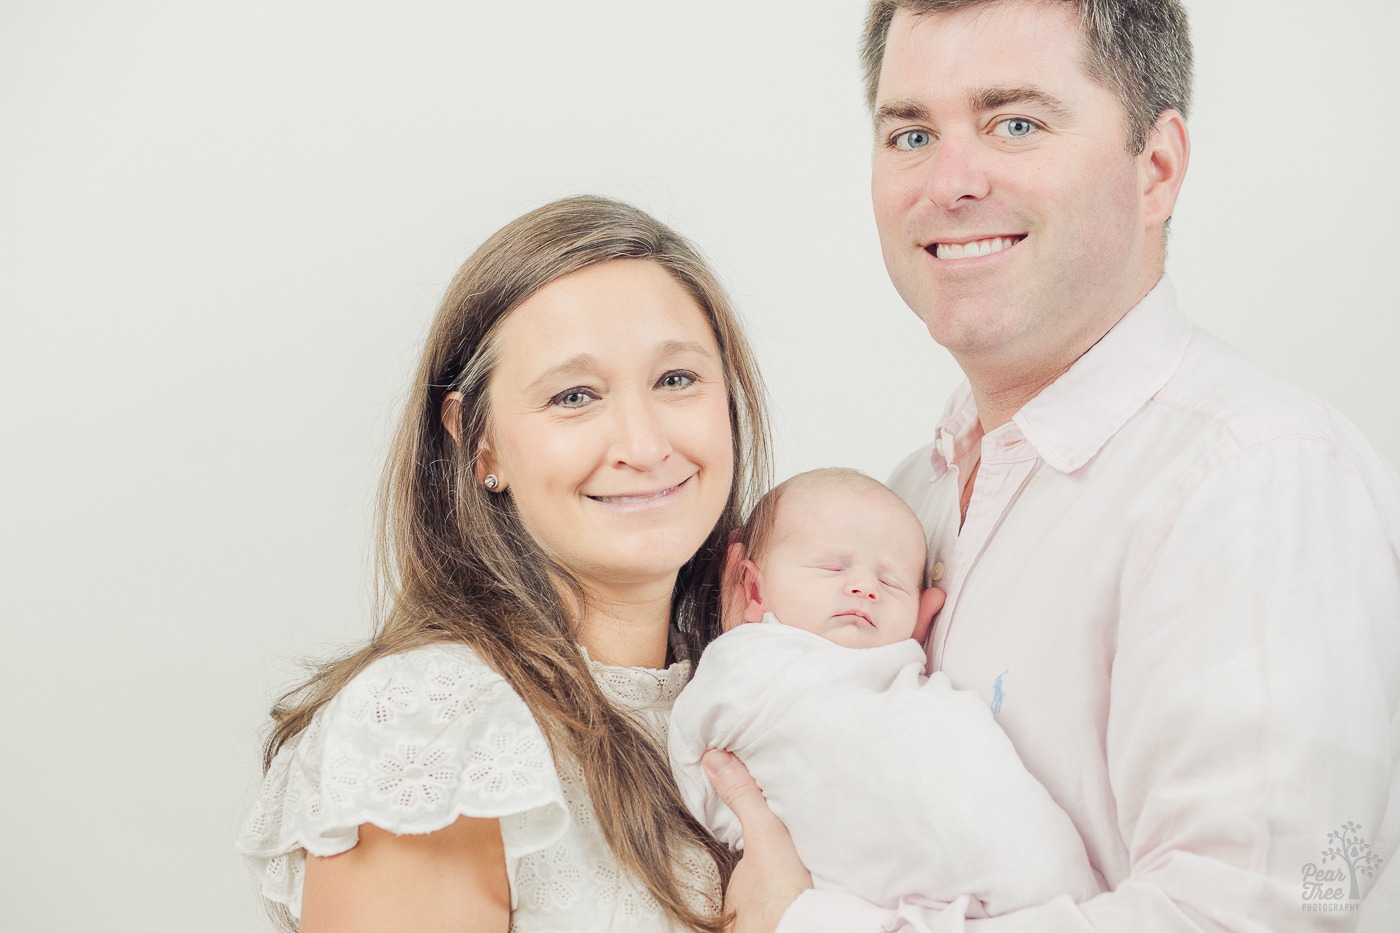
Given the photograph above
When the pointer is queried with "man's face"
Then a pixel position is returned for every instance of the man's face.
(1011, 215)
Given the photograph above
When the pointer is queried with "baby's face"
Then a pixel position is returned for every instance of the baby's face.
(846, 564)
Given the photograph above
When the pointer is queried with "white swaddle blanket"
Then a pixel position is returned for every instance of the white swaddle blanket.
(894, 787)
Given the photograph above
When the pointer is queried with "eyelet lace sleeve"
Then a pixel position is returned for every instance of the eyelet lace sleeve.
(413, 742)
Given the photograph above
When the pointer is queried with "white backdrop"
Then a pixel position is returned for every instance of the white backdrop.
(224, 227)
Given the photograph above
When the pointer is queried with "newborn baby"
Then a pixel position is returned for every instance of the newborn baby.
(895, 787)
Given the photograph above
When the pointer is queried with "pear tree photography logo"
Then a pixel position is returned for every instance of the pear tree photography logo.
(1333, 883)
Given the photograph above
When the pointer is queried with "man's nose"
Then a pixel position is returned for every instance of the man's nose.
(957, 172)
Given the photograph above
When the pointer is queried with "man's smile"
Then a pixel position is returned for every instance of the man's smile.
(972, 248)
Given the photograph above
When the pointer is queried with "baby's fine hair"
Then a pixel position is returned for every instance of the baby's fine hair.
(763, 520)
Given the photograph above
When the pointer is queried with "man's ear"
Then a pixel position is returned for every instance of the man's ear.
(930, 601)
(1163, 165)
(751, 585)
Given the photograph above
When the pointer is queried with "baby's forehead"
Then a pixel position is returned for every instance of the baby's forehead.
(834, 490)
(819, 495)
(818, 503)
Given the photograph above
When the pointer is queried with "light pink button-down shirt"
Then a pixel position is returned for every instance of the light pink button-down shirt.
(1178, 587)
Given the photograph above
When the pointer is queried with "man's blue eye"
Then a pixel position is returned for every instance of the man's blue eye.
(1017, 127)
(913, 139)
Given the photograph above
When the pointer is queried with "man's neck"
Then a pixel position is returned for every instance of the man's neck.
(998, 400)
(1004, 380)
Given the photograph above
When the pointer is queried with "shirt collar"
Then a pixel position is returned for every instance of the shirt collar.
(958, 430)
(1073, 417)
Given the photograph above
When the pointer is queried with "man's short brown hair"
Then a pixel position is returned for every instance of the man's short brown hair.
(1139, 49)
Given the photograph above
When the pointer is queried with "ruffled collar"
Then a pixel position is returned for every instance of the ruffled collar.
(640, 687)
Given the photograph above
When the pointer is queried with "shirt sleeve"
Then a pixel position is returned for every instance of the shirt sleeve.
(415, 741)
(1252, 708)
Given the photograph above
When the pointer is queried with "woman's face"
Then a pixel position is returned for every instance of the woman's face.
(610, 423)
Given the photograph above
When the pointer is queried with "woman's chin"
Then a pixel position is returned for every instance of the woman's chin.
(641, 565)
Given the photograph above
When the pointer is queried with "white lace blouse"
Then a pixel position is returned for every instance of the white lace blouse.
(420, 738)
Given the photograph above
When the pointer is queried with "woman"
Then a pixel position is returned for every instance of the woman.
(585, 428)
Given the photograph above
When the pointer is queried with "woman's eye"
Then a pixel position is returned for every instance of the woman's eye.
(573, 398)
(1016, 127)
(679, 379)
(912, 139)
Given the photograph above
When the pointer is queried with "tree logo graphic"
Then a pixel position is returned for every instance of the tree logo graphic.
(1347, 857)
(1346, 846)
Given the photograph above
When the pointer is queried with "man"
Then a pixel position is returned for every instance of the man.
(1177, 579)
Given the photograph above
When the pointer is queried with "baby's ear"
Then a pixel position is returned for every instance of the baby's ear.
(930, 601)
(751, 583)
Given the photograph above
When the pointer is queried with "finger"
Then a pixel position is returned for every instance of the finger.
(930, 602)
(736, 787)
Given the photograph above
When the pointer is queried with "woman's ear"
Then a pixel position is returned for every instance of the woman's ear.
(451, 414)
(487, 470)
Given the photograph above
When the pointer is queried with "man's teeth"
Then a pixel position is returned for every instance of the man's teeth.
(976, 248)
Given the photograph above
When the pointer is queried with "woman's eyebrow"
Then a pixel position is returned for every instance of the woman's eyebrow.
(574, 366)
(586, 363)
(674, 347)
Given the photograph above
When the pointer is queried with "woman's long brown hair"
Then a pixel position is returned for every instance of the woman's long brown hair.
(456, 564)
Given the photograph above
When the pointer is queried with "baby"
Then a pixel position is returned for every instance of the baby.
(895, 787)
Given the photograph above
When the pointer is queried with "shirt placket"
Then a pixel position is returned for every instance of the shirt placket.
(1007, 464)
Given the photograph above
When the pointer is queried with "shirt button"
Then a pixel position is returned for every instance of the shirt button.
(937, 572)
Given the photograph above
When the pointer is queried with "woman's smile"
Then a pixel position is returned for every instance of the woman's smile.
(641, 500)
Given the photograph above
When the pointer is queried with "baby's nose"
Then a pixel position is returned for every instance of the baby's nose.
(860, 588)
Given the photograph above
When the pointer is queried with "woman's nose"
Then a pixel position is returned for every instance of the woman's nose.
(642, 440)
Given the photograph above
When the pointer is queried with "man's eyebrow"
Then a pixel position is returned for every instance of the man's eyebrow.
(992, 98)
(900, 110)
(995, 98)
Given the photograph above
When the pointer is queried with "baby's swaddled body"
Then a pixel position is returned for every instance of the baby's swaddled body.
(894, 786)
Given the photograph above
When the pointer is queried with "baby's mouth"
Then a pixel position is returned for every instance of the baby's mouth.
(857, 613)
